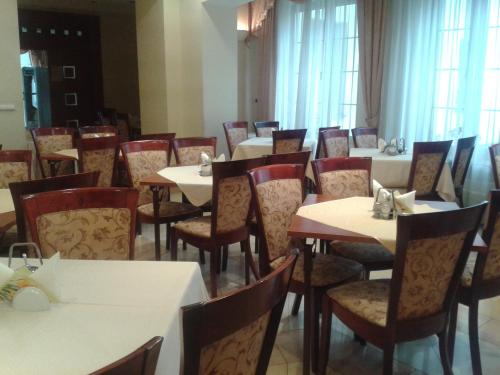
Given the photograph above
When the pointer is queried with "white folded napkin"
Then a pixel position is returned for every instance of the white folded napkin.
(381, 144)
(205, 158)
(405, 202)
(376, 187)
(221, 157)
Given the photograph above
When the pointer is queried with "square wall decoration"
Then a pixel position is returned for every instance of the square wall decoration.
(69, 72)
(71, 99)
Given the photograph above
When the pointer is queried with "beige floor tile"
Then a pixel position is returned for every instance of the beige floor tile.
(277, 369)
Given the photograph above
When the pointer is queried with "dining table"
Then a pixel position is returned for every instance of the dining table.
(55, 157)
(105, 310)
(7, 211)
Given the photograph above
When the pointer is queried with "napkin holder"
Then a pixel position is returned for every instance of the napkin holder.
(384, 207)
(395, 147)
(206, 165)
(26, 244)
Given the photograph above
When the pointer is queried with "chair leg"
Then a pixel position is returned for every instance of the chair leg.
(315, 330)
(326, 331)
(138, 227)
(214, 266)
(173, 244)
(443, 353)
(452, 329)
(474, 337)
(225, 254)
(184, 245)
(359, 339)
(296, 304)
(202, 256)
(367, 274)
(169, 229)
(256, 239)
(249, 263)
(388, 359)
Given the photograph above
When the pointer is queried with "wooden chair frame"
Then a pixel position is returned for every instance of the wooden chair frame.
(265, 124)
(462, 144)
(301, 157)
(289, 134)
(363, 131)
(333, 133)
(17, 156)
(96, 129)
(160, 137)
(229, 125)
(319, 145)
(495, 151)
(91, 144)
(40, 132)
(193, 142)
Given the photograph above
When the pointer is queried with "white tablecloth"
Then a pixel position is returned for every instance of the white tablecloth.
(261, 146)
(196, 188)
(6, 203)
(393, 171)
(108, 309)
(70, 152)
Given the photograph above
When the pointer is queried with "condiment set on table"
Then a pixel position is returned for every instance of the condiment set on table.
(388, 204)
(393, 148)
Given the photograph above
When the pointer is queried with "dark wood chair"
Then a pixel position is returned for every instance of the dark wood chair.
(123, 127)
(15, 166)
(426, 167)
(480, 280)
(463, 156)
(236, 132)
(235, 334)
(83, 223)
(431, 252)
(160, 137)
(335, 142)
(495, 164)
(143, 361)
(229, 221)
(99, 154)
(278, 192)
(365, 137)
(320, 153)
(49, 140)
(97, 131)
(266, 128)
(287, 141)
(187, 150)
(142, 159)
(18, 189)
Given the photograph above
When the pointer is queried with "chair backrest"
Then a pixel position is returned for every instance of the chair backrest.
(142, 361)
(142, 159)
(84, 223)
(265, 128)
(218, 341)
(365, 137)
(335, 142)
(463, 156)
(301, 157)
(343, 177)
(15, 166)
(18, 189)
(286, 141)
(231, 195)
(426, 167)
(97, 131)
(187, 151)
(278, 192)
(51, 140)
(160, 137)
(236, 132)
(320, 152)
(495, 163)
(99, 154)
(431, 252)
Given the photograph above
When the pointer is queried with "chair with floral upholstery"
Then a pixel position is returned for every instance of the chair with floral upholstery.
(49, 140)
(229, 221)
(266, 128)
(15, 166)
(160, 137)
(431, 252)
(463, 156)
(278, 192)
(99, 154)
(97, 131)
(480, 280)
(495, 163)
(335, 142)
(188, 151)
(235, 334)
(365, 137)
(426, 167)
(142, 159)
(344, 178)
(84, 223)
(320, 152)
(236, 132)
(288, 141)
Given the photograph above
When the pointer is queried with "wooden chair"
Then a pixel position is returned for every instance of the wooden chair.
(365, 137)
(480, 280)
(48, 140)
(463, 156)
(84, 223)
(320, 153)
(426, 167)
(431, 251)
(142, 159)
(335, 142)
(344, 178)
(160, 137)
(15, 166)
(18, 189)
(495, 163)
(236, 132)
(235, 334)
(287, 141)
(229, 221)
(99, 154)
(301, 158)
(266, 128)
(143, 361)
(97, 131)
(187, 150)
(278, 192)
(123, 127)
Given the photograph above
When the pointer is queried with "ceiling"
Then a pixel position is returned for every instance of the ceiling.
(80, 6)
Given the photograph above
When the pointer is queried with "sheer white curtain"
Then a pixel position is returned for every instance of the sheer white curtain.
(442, 77)
(317, 64)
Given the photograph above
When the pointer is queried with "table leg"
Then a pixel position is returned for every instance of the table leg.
(52, 165)
(308, 300)
(156, 211)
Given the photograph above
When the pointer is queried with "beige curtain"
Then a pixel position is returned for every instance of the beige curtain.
(259, 10)
(371, 25)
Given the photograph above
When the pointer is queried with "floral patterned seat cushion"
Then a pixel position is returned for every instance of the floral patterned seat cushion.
(97, 135)
(169, 209)
(52, 143)
(12, 172)
(191, 155)
(327, 269)
(366, 141)
(200, 226)
(426, 172)
(461, 166)
(366, 299)
(266, 131)
(233, 203)
(364, 253)
(102, 161)
(337, 147)
(345, 183)
(286, 146)
(236, 136)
